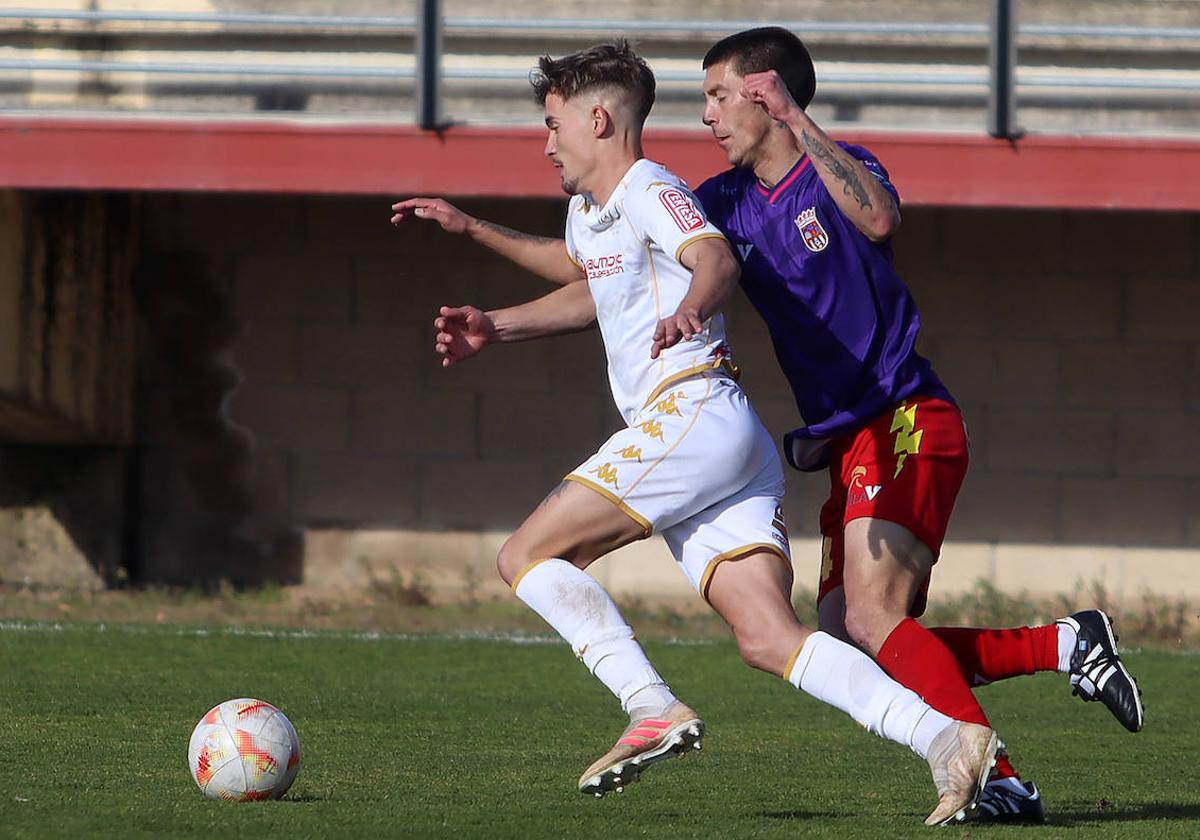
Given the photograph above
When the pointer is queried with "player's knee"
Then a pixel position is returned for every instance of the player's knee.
(511, 560)
(759, 650)
(867, 626)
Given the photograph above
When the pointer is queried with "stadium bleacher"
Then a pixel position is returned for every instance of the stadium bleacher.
(1083, 67)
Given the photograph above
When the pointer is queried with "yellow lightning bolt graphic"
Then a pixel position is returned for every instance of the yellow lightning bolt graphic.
(908, 441)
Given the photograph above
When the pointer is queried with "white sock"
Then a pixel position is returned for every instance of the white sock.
(1067, 639)
(846, 678)
(577, 606)
(649, 702)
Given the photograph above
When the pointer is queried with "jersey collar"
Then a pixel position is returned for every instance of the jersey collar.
(772, 195)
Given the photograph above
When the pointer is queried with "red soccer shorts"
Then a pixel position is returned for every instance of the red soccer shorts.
(905, 467)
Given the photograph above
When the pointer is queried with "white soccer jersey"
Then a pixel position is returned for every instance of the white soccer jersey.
(630, 251)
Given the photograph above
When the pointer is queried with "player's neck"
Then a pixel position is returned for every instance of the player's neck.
(778, 154)
(608, 174)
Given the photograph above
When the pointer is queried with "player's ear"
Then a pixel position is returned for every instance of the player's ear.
(601, 120)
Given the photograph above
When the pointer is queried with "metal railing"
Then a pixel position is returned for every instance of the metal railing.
(271, 22)
(997, 82)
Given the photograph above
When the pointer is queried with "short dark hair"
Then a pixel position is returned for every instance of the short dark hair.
(769, 48)
(608, 65)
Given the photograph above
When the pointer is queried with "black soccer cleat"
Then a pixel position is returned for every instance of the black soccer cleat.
(1097, 672)
(1008, 801)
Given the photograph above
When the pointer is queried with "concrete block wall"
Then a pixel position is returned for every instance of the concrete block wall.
(67, 320)
(1069, 338)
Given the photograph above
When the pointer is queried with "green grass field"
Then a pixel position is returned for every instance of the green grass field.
(442, 737)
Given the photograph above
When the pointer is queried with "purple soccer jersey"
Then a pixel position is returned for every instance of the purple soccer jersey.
(843, 323)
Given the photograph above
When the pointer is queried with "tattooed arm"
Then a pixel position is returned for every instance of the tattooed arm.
(857, 192)
(545, 256)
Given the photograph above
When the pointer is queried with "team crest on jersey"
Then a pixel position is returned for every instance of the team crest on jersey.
(815, 237)
(682, 210)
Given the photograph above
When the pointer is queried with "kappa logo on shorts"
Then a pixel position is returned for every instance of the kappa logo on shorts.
(606, 473)
(682, 210)
(630, 452)
(651, 428)
(815, 237)
(667, 404)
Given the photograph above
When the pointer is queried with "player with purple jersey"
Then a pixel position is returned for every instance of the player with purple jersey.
(844, 323)
(812, 222)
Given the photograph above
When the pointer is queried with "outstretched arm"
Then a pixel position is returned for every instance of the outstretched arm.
(715, 273)
(462, 331)
(545, 256)
(857, 192)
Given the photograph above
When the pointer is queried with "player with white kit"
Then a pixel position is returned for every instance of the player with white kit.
(693, 463)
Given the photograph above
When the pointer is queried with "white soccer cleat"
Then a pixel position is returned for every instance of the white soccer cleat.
(961, 758)
(644, 742)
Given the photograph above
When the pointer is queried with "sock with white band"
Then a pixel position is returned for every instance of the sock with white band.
(1067, 639)
(846, 678)
(578, 607)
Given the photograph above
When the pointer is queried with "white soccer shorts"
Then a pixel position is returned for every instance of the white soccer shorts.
(697, 466)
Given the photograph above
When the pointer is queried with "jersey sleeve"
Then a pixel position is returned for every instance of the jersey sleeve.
(874, 168)
(670, 216)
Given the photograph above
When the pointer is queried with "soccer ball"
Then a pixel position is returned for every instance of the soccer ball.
(244, 750)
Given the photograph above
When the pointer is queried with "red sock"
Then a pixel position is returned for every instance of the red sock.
(985, 656)
(917, 659)
(1004, 768)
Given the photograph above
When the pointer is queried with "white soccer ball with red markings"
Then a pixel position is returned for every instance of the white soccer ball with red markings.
(244, 750)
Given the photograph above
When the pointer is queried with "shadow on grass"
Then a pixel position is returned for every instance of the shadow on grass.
(304, 797)
(1132, 813)
(796, 815)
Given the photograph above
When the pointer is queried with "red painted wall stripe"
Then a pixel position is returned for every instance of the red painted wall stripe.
(950, 170)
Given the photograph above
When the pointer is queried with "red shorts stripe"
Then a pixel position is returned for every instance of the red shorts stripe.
(906, 467)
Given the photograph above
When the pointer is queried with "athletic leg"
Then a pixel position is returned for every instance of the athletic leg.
(543, 562)
(752, 594)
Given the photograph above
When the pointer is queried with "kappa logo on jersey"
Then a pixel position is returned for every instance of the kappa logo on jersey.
(815, 237)
(682, 210)
(606, 266)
